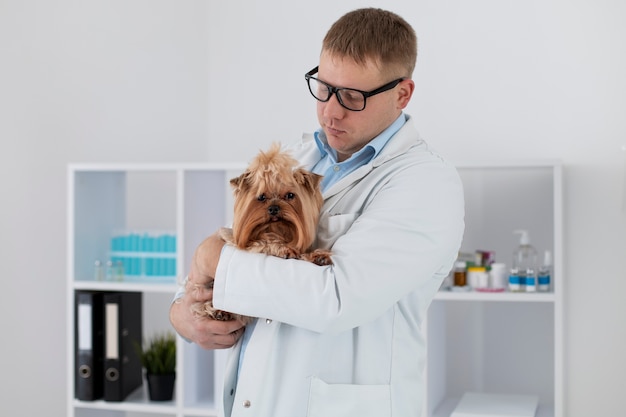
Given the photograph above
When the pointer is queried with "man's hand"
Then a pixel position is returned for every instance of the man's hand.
(207, 333)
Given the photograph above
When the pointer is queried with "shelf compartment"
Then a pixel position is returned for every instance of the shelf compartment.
(499, 200)
(108, 202)
(492, 347)
(199, 389)
(206, 205)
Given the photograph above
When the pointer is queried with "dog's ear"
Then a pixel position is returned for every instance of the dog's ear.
(308, 179)
(238, 183)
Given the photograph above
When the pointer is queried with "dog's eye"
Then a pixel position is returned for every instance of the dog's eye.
(290, 196)
(261, 198)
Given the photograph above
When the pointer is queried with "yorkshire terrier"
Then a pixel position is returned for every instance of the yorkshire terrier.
(276, 210)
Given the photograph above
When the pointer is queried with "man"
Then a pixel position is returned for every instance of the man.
(346, 339)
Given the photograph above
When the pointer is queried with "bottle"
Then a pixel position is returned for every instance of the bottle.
(119, 271)
(544, 273)
(477, 277)
(460, 278)
(497, 276)
(109, 271)
(525, 262)
(98, 271)
(514, 281)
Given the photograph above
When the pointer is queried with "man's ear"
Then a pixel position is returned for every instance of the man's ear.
(405, 92)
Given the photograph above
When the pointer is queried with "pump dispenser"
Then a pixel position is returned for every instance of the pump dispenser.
(525, 263)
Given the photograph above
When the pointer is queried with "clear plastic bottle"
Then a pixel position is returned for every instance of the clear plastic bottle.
(109, 271)
(98, 271)
(525, 263)
(544, 274)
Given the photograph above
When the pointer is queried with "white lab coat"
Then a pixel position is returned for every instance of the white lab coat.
(346, 340)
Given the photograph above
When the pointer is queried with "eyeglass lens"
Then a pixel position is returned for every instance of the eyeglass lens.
(350, 99)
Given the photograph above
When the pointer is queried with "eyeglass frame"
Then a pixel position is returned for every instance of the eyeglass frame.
(334, 90)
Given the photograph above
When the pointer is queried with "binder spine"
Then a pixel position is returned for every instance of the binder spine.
(88, 377)
(123, 330)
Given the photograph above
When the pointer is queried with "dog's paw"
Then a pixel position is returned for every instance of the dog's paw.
(319, 257)
(221, 315)
(206, 310)
(202, 309)
(283, 251)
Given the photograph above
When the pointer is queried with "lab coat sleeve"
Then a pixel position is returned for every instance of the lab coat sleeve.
(404, 237)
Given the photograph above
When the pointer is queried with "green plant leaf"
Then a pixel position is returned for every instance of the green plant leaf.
(158, 355)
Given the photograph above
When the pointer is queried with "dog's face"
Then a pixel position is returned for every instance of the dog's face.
(274, 199)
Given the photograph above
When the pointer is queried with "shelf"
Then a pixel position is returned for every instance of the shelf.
(155, 167)
(508, 164)
(201, 410)
(136, 401)
(547, 297)
(447, 407)
(139, 285)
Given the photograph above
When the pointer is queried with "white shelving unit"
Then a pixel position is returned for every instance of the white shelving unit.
(502, 343)
(192, 199)
(479, 342)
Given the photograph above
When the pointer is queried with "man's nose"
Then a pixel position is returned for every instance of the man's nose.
(332, 108)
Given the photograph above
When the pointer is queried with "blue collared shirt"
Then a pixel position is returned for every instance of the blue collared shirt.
(333, 171)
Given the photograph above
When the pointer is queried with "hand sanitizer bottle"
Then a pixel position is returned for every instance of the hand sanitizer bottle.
(525, 261)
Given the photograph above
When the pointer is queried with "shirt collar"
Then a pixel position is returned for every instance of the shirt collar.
(374, 146)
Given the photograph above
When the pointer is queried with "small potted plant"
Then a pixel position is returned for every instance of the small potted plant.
(158, 357)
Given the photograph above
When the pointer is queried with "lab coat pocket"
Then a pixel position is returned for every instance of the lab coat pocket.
(348, 400)
(332, 226)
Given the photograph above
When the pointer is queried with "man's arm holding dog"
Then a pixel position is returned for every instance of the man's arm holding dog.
(207, 333)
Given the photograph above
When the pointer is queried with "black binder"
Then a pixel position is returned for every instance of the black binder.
(122, 333)
(88, 346)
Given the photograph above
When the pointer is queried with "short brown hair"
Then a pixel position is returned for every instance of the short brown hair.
(377, 35)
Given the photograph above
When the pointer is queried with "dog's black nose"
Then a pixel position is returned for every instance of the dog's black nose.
(273, 210)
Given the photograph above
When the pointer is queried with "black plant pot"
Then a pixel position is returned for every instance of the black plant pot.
(161, 387)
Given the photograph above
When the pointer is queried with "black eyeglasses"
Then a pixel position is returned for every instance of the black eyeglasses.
(349, 98)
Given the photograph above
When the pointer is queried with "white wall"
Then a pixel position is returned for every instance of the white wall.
(155, 80)
(80, 81)
(503, 78)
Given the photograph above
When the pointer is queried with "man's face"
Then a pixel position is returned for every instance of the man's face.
(349, 131)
